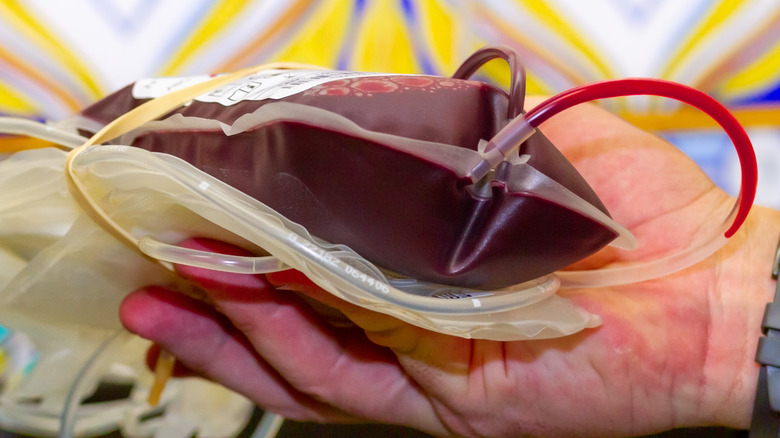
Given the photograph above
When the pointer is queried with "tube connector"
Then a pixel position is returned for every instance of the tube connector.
(498, 148)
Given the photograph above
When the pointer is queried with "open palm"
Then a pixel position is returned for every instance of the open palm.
(672, 352)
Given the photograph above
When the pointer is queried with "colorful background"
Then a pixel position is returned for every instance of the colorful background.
(57, 57)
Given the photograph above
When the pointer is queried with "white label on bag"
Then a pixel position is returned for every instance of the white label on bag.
(156, 87)
(268, 84)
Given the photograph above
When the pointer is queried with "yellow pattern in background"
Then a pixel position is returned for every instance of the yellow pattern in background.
(46, 75)
(759, 74)
(381, 40)
(13, 101)
(37, 32)
(441, 29)
(319, 39)
(219, 17)
(63, 94)
(545, 13)
(707, 24)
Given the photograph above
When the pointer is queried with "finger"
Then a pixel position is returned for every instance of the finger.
(442, 364)
(419, 350)
(335, 366)
(382, 329)
(208, 345)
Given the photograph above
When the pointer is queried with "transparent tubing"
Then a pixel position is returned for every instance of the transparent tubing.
(31, 128)
(77, 391)
(202, 259)
(697, 251)
(269, 425)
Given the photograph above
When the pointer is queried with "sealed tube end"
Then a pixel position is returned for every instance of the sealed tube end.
(163, 370)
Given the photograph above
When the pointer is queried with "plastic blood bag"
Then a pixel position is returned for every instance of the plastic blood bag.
(390, 191)
(384, 164)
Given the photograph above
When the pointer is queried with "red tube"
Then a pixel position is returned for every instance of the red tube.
(672, 90)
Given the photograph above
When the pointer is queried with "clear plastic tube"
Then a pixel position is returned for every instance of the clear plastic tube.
(77, 390)
(202, 259)
(269, 425)
(32, 128)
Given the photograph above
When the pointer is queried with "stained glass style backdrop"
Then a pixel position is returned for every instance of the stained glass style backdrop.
(56, 57)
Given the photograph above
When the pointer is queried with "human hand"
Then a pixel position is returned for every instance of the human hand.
(672, 352)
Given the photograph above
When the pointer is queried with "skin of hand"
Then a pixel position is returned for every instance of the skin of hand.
(673, 352)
